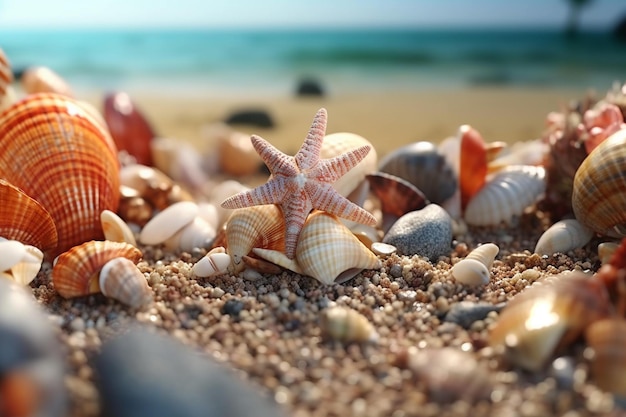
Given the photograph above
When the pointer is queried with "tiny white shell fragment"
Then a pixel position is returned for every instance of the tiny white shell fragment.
(474, 270)
(563, 236)
(211, 264)
(606, 250)
(26, 270)
(12, 253)
(384, 249)
(116, 229)
(165, 224)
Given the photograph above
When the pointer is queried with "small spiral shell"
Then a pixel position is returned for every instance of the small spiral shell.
(121, 280)
(475, 269)
(347, 326)
(215, 262)
(563, 236)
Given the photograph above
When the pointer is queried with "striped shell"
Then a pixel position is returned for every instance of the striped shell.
(121, 280)
(6, 74)
(506, 195)
(60, 156)
(563, 236)
(24, 219)
(346, 325)
(215, 262)
(607, 338)
(44, 80)
(75, 272)
(599, 193)
(475, 269)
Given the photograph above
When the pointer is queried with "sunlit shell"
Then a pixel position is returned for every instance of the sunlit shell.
(254, 227)
(506, 195)
(472, 163)
(121, 280)
(153, 185)
(347, 326)
(6, 76)
(75, 272)
(563, 236)
(44, 80)
(165, 224)
(20, 262)
(520, 153)
(606, 250)
(115, 229)
(221, 192)
(197, 234)
(607, 338)
(475, 269)
(24, 219)
(215, 262)
(549, 315)
(237, 156)
(60, 156)
(599, 193)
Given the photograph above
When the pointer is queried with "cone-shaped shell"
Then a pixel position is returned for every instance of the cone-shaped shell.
(599, 193)
(607, 338)
(121, 280)
(59, 155)
(506, 195)
(329, 252)
(475, 269)
(75, 272)
(24, 219)
(254, 227)
(215, 262)
(346, 325)
(563, 236)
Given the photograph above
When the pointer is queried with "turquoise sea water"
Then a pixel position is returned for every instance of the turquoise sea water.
(241, 61)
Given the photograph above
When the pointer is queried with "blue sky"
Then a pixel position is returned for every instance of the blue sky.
(299, 13)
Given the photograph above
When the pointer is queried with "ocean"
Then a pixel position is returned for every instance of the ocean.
(272, 62)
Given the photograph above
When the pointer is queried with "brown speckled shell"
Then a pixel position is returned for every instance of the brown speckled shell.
(75, 272)
(62, 157)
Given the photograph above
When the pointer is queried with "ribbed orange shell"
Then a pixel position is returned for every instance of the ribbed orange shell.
(75, 272)
(62, 157)
(24, 219)
(6, 74)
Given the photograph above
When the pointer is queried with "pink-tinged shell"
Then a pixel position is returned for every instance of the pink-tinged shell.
(44, 80)
(59, 155)
(121, 280)
(563, 236)
(506, 195)
(24, 219)
(346, 325)
(76, 271)
(607, 338)
(550, 314)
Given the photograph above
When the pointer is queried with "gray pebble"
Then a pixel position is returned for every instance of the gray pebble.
(465, 313)
(426, 232)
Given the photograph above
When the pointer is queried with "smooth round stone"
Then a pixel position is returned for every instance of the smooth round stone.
(147, 374)
(426, 232)
(464, 313)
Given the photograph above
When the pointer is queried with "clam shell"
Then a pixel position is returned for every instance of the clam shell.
(563, 236)
(165, 224)
(24, 219)
(62, 157)
(121, 280)
(44, 80)
(506, 195)
(347, 326)
(607, 338)
(115, 229)
(215, 262)
(20, 262)
(197, 234)
(599, 192)
(475, 269)
(550, 314)
(75, 272)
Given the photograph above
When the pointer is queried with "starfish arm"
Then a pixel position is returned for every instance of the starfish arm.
(309, 154)
(330, 170)
(277, 162)
(295, 208)
(272, 192)
(324, 197)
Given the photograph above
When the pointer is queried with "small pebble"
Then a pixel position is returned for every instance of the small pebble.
(465, 313)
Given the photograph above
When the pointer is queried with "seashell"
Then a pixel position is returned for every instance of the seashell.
(75, 272)
(135, 210)
(563, 236)
(475, 269)
(601, 121)
(520, 153)
(129, 128)
(24, 219)
(6, 78)
(279, 258)
(165, 224)
(472, 163)
(254, 227)
(180, 161)
(606, 251)
(197, 234)
(383, 249)
(345, 325)
(215, 262)
(506, 195)
(422, 165)
(44, 80)
(153, 185)
(221, 192)
(607, 338)
(237, 156)
(70, 159)
(547, 316)
(261, 265)
(19, 262)
(115, 229)
(368, 235)
(121, 280)
(208, 212)
(599, 192)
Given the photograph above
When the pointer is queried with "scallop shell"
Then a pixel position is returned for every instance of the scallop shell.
(24, 219)
(165, 224)
(475, 269)
(506, 195)
(20, 262)
(563, 236)
(607, 338)
(75, 272)
(115, 229)
(6, 74)
(121, 280)
(550, 314)
(215, 262)
(599, 193)
(347, 326)
(60, 156)
(254, 227)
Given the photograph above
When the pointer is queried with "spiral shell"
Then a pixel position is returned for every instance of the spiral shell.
(121, 280)
(24, 219)
(599, 192)
(75, 272)
(475, 269)
(60, 156)
(607, 338)
(506, 195)
(347, 326)
(563, 236)
(213, 263)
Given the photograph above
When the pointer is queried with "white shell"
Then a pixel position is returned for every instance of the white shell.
(208, 212)
(213, 263)
(116, 229)
(20, 262)
(197, 234)
(606, 250)
(165, 224)
(221, 192)
(12, 252)
(506, 195)
(563, 236)
(475, 269)
(121, 280)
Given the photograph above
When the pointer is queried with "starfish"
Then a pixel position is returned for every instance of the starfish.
(303, 182)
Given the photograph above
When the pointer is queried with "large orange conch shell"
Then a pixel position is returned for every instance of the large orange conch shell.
(58, 154)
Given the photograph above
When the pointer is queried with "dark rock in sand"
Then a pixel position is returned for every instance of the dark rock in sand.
(619, 31)
(464, 313)
(145, 374)
(309, 87)
(251, 117)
